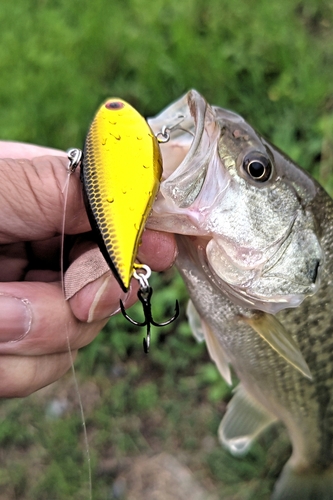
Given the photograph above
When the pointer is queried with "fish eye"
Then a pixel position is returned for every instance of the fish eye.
(258, 166)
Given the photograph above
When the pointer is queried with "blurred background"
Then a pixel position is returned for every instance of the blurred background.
(152, 420)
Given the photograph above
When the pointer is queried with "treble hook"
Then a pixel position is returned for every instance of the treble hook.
(144, 295)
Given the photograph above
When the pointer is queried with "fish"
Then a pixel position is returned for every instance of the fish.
(255, 239)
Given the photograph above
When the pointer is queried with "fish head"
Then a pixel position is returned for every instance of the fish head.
(244, 206)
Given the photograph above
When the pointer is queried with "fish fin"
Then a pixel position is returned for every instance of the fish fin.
(195, 322)
(202, 331)
(306, 485)
(244, 420)
(275, 334)
(217, 353)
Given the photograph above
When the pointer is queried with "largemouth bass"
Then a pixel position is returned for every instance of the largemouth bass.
(255, 251)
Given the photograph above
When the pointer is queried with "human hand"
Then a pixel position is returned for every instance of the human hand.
(36, 323)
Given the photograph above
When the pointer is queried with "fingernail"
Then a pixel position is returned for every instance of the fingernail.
(100, 307)
(97, 298)
(15, 318)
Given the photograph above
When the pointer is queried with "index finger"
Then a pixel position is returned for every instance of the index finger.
(21, 150)
(32, 200)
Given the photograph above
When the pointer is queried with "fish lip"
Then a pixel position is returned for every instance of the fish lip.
(179, 132)
(175, 186)
(182, 192)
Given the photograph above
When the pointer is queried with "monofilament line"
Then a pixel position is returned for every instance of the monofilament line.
(76, 385)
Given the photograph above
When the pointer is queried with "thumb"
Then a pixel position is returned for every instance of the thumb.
(32, 199)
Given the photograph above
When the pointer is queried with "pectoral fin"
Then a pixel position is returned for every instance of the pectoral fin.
(201, 332)
(275, 334)
(244, 420)
(195, 322)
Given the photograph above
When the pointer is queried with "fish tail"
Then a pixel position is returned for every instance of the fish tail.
(309, 485)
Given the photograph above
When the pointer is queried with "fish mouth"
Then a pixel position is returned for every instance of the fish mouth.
(193, 133)
(193, 202)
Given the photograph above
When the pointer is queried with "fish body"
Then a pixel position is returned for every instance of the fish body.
(255, 239)
(121, 170)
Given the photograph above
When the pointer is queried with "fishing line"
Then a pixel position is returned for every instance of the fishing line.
(73, 162)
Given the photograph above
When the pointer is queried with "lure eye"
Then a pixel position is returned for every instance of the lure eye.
(114, 105)
(258, 166)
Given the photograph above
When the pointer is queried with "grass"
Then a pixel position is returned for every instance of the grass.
(270, 61)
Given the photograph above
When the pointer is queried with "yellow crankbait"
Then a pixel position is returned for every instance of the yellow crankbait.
(121, 170)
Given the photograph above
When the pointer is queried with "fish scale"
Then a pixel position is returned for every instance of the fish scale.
(250, 356)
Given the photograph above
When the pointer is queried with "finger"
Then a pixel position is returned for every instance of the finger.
(36, 320)
(31, 261)
(158, 250)
(21, 150)
(93, 291)
(32, 200)
(23, 375)
(13, 261)
(101, 299)
(90, 286)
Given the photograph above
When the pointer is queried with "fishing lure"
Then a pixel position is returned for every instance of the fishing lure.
(121, 168)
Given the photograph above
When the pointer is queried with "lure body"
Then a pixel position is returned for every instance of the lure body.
(121, 170)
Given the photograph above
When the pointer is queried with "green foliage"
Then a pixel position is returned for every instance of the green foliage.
(218, 390)
(269, 61)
